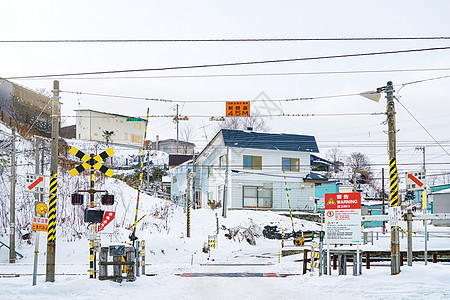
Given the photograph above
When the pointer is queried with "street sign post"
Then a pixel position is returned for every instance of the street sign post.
(343, 218)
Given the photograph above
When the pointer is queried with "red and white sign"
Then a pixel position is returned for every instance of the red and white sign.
(415, 181)
(108, 216)
(36, 183)
(39, 224)
(343, 218)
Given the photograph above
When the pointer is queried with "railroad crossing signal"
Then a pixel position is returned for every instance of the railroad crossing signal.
(91, 162)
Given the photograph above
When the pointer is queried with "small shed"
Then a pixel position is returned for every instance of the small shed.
(441, 204)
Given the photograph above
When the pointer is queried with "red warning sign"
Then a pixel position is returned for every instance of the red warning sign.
(343, 201)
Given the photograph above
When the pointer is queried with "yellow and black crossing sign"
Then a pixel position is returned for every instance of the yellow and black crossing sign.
(92, 162)
(393, 178)
(51, 234)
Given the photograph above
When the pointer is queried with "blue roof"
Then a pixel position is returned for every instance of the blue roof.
(272, 141)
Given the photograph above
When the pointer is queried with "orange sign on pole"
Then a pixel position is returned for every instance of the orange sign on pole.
(238, 109)
(39, 224)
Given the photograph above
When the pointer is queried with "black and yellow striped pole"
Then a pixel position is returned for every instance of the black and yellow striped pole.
(393, 176)
(133, 234)
(289, 204)
(93, 237)
(51, 235)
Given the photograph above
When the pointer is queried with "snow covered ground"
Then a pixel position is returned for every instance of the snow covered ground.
(168, 254)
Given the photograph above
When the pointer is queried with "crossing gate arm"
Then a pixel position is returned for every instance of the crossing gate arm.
(415, 218)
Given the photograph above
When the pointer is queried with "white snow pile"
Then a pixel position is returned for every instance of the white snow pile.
(169, 252)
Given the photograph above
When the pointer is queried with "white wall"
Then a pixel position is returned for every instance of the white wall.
(301, 194)
(90, 126)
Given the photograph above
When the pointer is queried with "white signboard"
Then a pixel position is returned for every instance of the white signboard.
(35, 183)
(343, 218)
(415, 181)
(395, 215)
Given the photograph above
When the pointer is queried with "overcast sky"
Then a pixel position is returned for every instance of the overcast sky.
(428, 101)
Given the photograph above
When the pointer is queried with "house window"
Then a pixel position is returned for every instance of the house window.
(290, 164)
(257, 197)
(174, 179)
(136, 138)
(137, 125)
(165, 148)
(210, 171)
(223, 161)
(253, 162)
(125, 136)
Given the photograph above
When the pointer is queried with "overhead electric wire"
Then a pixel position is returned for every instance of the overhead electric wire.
(251, 100)
(423, 127)
(208, 101)
(229, 40)
(204, 66)
(253, 74)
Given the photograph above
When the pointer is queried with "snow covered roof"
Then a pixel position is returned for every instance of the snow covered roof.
(272, 141)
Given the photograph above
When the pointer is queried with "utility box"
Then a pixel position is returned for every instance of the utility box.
(93, 215)
(115, 266)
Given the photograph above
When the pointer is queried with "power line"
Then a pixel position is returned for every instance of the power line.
(251, 100)
(254, 74)
(234, 63)
(423, 127)
(230, 40)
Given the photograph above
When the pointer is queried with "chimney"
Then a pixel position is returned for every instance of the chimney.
(157, 143)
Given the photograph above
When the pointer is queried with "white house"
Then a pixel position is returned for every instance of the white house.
(179, 181)
(252, 164)
(91, 125)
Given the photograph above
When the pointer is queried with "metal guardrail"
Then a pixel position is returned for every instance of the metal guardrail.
(415, 218)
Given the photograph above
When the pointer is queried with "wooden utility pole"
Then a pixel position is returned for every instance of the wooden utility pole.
(36, 196)
(12, 212)
(188, 203)
(51, 236)
(393, 177)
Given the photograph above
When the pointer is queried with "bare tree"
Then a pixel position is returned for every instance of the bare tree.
(337, 157)
(107, 136)
(243, 123)
(187, 132)
(359, 162)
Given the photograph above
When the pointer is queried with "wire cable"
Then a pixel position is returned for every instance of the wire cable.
(253, 74)
(230, 40)
(423, 127)
(204, 66)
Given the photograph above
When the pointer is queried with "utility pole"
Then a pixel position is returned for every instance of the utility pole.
(354, 181)
(424, 207)
(12, 213)
(188, 203)
(51, 236)
(393, 176)
(383, 209)
(177, 127)
(225, 188)
(36, 196)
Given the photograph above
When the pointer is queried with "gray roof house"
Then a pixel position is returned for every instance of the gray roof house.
(252, 167)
